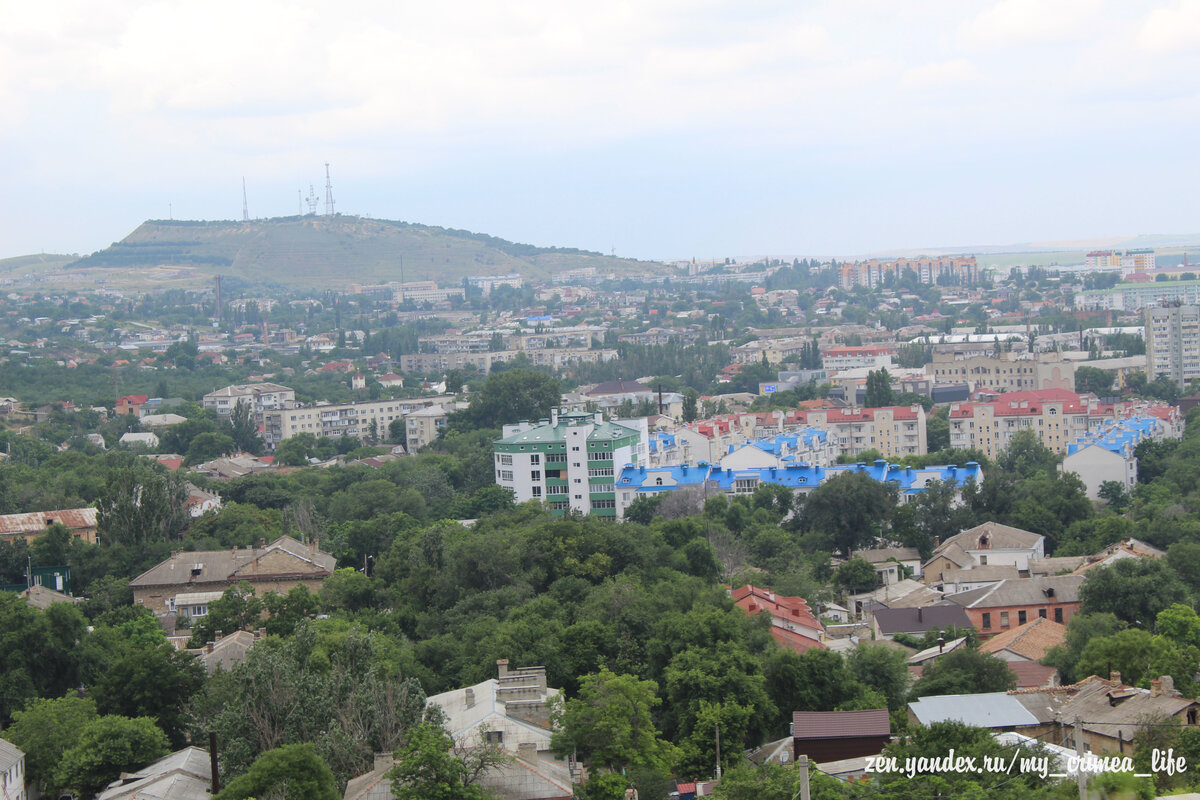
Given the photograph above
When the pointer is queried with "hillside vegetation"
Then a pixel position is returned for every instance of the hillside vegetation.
(318, 250)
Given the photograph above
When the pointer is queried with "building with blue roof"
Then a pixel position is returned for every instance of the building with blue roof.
(713, 479)
(1106, 454)
(805, 446)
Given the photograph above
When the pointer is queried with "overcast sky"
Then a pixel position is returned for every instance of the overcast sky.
(656, 128)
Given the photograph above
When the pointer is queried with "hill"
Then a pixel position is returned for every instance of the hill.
(338, 250)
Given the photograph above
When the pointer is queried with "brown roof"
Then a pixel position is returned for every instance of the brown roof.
(1032, 674)
(840, 724)
(1030, 641)
(200, 567)
(38, 521)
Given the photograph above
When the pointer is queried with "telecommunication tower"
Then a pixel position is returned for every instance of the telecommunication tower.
(328, 192)
(245, 205)
(311, 200)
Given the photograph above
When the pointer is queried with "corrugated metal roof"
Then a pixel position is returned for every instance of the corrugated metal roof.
(9, 754)
(37, 521)
(990, 710)
(840, 724)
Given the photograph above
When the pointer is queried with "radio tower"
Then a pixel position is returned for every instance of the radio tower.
(245, 205)
(328, 192)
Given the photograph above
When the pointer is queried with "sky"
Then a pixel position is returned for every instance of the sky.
(653, 129)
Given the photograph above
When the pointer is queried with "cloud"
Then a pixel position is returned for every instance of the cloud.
(1011, 23)
(1172, 28)
(940, 74)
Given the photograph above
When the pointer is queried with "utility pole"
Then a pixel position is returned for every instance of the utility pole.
(1080, 776)
(802, 768)
(718, 751)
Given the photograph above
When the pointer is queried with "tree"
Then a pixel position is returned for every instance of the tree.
(884, 669)
(1134, 590)
(1136, 654)
(508, 397)
(1093, 380)
(108, 746)
(1115, 494)
(149, 682)
(690, 398)
(431, 767)
(937, 432)
(207, 446)
(141, 504)
(45, 730)
(244, 428)
(295, 451)
(236, 609)
(38, 651)
(610, 723)
(1081, 629)
(1027, 456)
(291, 772)
(849, 508)
(879, 389)
(856, 575)
(965, 671)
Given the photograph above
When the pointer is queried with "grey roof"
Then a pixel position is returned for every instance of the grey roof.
(882, 554)
(183, 775)
(231, 650)
(841, 724)
(557, 433)
(1000, 537)
(937, 650)
(223, 566)
(919, 620)
(986, 572)
(1055, 564)
(10, 754)
(1022, 592)
(374, 785)
(991, 710)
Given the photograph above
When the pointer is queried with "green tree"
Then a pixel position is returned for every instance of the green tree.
(1137, 655)
(508, 397)
(937, 432)
(850, 509)
(610, 723)
(1115, 494)
(291, 772)
(884, 669)
(965, 671)
(1134, 590)
(879, 389)
(856, 575)
(45, 730)
(141, 504)
(149, 682)
(236, 609)
(1093, 380)
(690, 400)
(1081, 629)
(108, 746)
(430, 767)
(1180, 624)
(208, 446)
(244, 429)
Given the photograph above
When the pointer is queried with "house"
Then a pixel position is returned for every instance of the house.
(1029, 642)
(131, 404)
(12, 771)
(905, 594)
(183, 775)
(893, 564)
(931, 654)
(423, 426)
(525, 776)
(199, 501)
(1010, 603)
(993, 710)
(964, 580)
(391, 380)
(277, 567)
(793, 624)
(81, 522)
(836, 735)
(989, 544)
(39, 596)
(161, 420)
(147, 440)
(887, 622)
(227, 651)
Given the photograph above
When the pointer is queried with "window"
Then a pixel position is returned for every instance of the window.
(537, 491)
(556, 458)
(983, 561)
(493, 737)
(1042, 613)
(987, 621)
(506, 475)
(1003, 619)
(535, 459)
(506, 460)
(1058, 614)
(535, 475)
(1021, 617)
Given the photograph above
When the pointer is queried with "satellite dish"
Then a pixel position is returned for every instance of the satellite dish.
(783, 757)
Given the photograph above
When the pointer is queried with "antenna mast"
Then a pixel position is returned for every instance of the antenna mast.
(312, 200)
(328, 192)
(245, 206)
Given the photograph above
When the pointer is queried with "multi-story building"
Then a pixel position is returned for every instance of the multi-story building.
(1137, 261)
(1005, 372)
(1107, 454)
(263, 399)
(1173, 342)
(362, 419)
(484, 361)
(1136, 296)
(486, 283)
(1056, 416)
(868, 356)
(1102, 259)
(569, 461)
(928, 270)
(894, 431)
(423, 426)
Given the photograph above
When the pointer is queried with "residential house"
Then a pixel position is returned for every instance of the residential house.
(893, 564)
(997, 711)
(277, 567)
(12, 771)
(1028, 642)
(131, 404)
(526, 776)
(930, 654)
(964, 580)
(227, 651)
(234, 466)
(423, 426)
(793, 624)
(39, 596)
(81, 522)
(1010, 603)
(836, 735)
(887, 622)
(984, 545)
(183, 775)
(908, 593)
(146, 440)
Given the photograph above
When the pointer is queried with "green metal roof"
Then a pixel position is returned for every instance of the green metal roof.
(542, 434)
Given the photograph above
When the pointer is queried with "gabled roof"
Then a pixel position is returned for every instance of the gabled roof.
(618, 387)
(183, 775)
(224, 566)
(919, 620)
(883, 554)
(989, 710)
(999, 537)
(1022, 592)
(10, 754)
(841, 724)
(1030, 641)
(1031, 674)
(38, 521)
(987, 572)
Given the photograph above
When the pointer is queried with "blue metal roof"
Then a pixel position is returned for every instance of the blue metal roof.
(1118, 435)
(796, 476)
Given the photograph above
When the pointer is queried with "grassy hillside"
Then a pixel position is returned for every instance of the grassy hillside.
(318, 251)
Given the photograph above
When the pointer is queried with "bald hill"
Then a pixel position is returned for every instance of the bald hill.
(314, 251)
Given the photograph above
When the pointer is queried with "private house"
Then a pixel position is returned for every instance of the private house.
(997, 711)
(131, 404)
(1011, 603)
(276, 567)
(12, 771)
(227, 651)
(793, 624)
(893, 564)
(989, 544)
(1028, 642)
(81, 522)
(837, 735)
(964, 580)
(930, 654)
(525, 777)
(183, 775)
(146, 440)
(887, 622)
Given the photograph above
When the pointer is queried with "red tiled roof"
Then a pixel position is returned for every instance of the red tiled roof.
(796, 642)
(840, 724)
(1031, 674)
(753, 600)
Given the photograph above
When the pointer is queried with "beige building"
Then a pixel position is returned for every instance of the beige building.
(1006, 372)
(359, 419)
(895, 431)
(423, 426)
(277, 567)
(1173, 342)
(1057, 417)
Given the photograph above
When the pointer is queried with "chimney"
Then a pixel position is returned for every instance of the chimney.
(527, 751)
(208, 647)
(1168, 686)
(1115, 677)
(262, 543)
(219, 635)
(1156, 687)
(384, 761)
(470, 698)
(941, 643)
(554, 416)
(502, 666)
(920, 614)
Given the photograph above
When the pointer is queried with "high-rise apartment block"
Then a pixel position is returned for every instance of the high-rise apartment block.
(1173, 342)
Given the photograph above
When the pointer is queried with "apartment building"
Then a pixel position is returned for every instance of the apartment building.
(363, 419)
(873, 273)
(1056, 416)
(893, 431)
(263, 398)
(1172, 335)
(837, 359)
(569, 461)
(423, 426)
(1004, 372)
(1137, 296)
